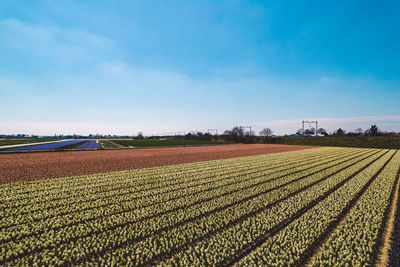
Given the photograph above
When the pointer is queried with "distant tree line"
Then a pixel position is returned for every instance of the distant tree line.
(372, 131)
(240, 134)
(372, 137)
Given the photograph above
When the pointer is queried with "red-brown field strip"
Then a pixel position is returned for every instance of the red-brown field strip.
(33, 166)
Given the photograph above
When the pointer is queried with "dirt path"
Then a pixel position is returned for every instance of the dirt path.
(33, 166)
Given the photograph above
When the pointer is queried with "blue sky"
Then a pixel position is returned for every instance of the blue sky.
(119, 67)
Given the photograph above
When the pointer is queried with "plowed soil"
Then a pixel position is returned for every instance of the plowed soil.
(42, 165)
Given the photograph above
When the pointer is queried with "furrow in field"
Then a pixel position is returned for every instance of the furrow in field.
(354, 238)
(292, 244)
(204, 228)
(149, 223)
(22, 217)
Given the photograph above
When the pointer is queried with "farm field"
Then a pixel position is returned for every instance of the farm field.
(319, 206)
(63, 144)
(384, 142)
(92, 144)
(26, 146)
(166, 142)
(109, 144)
(29, 166)
(23, 141)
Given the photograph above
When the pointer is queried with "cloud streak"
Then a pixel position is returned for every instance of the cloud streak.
(53, 50)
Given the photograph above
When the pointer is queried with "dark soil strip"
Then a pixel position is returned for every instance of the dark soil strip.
(38, 250)
(167, 255)
(394, 252)
(276, 229)
(318, 243)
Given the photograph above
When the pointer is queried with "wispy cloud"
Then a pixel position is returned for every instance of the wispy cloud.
(48, 47)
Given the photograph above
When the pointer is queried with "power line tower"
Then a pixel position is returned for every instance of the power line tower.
(311, 122)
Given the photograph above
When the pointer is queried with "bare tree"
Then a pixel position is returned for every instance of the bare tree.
(267, 132)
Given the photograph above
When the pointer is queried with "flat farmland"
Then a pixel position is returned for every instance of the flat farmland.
(32, 166)
(321, 206)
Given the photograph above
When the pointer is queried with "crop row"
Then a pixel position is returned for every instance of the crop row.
(92, 144)
(320, 207)
(354, 241)
(28, 190)
(108, 144)
(49, 146)
(228, 246)
(393, 257)
(111, 231)
(132, 192)
(149, 197)
(122, 255)
(291, 244)
(182, 184)
(121, 205)
(124, 215)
